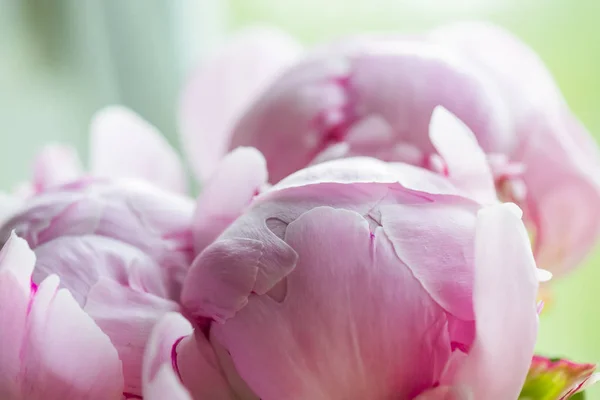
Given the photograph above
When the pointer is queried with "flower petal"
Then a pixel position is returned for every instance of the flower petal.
(173, 354)
(446, 273)
(467, 164)
(505, 307)
(338, 331)
(368, 170)
(165, 385)
(127, 316)
(447, 393)
(563, 193)
(123, 145)
(239, 177)
(221, 90)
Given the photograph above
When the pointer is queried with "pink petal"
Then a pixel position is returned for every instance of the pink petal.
(563, 193)
(467, 164)
(17, 258)
(446, 273)
(174, 353)
(239, 177)
(56, 165)
(166, 385)
(50, 348)
(505, 307)
(405, 80)
(127, 316)
(16, 265)
(348, 324)
(447, 393)
(356, 170)
(224, 87)
(159, 349)
(229, 270)
(123, 145)
(81, 261)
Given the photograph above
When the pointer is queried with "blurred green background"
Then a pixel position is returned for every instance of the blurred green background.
(61, 60)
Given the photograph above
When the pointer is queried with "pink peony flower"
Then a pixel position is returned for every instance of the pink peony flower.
(375, 95)
(558, 185)
(357, 279)
(121, 250)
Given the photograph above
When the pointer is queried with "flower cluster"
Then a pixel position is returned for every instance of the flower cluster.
(375, 218)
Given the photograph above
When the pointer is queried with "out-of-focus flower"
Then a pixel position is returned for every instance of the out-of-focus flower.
(374, 96)
(120, 248)
(122, 146)
(558, 186)
(360, 279)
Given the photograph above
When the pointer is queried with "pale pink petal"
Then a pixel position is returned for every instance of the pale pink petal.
(446, 273)
(238, 178)
(16, 265)
(357, 170)
(127, 316)
(447, 393)
(334, 321)
(173, 354)
(67, 355)
(467, 164)
(50, 349)
(505, 307)
(229, 270)
(404, 80)
(17, 258)
(563, 193)
(159, 349)
(123, 145)
(224, 87)
(165, 385)
(55, 165)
